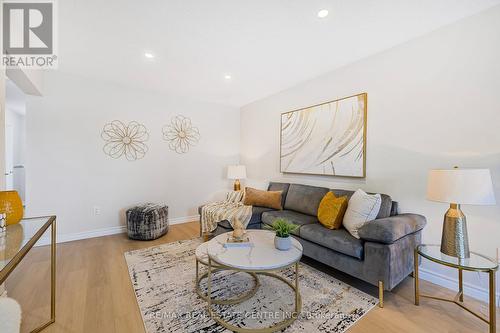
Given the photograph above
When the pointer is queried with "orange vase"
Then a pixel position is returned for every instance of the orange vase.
(11, 204)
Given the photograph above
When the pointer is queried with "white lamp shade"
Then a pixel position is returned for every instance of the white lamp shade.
(236, 172)
(461, 186)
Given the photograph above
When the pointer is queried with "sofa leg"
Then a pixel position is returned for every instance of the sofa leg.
(381, 294)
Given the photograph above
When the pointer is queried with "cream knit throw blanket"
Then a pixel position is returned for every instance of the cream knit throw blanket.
(230, 209)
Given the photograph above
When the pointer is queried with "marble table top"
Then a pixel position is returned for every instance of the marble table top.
(261, 256)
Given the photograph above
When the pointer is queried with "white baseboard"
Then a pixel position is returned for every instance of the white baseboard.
(470, 290)
(185, 219)
(63, 238)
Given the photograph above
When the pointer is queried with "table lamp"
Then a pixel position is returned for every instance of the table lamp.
(236, 172)
(457, 187)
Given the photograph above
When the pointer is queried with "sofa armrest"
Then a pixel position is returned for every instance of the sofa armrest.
(390, 229)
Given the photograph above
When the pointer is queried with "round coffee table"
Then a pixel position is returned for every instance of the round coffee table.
(202, 259)
(262, 258)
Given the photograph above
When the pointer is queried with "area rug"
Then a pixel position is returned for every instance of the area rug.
(163, 280)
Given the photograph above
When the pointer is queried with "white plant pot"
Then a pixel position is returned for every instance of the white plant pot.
(283, 243)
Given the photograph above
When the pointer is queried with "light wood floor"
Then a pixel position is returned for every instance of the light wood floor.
(94, 293)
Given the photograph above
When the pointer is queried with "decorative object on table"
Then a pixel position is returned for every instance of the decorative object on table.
(361, 209)
(159, 275)
(283, 229)
(125, 140)
(147, 222)
(238, 230)
(261, 198)
(230, 209)
(181, 134)
(238, 237)
(236, 172)
(331, 210)
(475, 263)
(326, 139)
(456, 187)
(12, 206)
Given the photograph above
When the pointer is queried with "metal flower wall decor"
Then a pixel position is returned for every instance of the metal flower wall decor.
(125, 140)
(181, 134)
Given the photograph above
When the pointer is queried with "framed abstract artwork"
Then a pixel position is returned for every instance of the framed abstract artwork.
(326, 139)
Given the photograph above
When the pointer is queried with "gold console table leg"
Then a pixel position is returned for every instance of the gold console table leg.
(53, 273)
(52, 279)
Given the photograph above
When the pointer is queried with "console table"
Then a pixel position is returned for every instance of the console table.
(18, 240)
(476, 263)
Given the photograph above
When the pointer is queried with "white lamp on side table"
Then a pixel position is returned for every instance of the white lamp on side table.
(456, 187)
(236, 172)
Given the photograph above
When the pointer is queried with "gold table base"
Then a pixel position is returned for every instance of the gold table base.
(216, 317)
(459, 298)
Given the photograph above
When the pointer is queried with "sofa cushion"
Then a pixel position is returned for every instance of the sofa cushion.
(257, 214)
(291, 216)
(331, 210)
(385, 206)
(261, 198)
(338, 240)
(283, 187)
(394, 209)
(362, 209)
(304, 198)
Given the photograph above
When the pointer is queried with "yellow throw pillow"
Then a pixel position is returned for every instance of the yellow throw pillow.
(331, 210)
(270, 199)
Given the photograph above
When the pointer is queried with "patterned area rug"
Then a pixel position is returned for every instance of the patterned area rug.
(163, 280)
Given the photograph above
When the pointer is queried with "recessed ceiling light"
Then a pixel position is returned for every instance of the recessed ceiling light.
(323, 13)
(149, 55)
(227, 76)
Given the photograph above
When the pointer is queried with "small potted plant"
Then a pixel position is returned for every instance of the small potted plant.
(282, 240)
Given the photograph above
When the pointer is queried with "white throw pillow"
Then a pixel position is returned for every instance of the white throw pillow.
(361, 209)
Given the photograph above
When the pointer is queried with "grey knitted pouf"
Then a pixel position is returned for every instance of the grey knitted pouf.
(147, 222)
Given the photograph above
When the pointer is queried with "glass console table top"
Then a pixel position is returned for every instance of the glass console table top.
(476, 262)
(14, 239)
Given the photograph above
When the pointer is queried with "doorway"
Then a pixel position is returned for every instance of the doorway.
(15, 139)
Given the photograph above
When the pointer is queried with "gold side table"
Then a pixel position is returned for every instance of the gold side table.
(476, 263)
(19, 239)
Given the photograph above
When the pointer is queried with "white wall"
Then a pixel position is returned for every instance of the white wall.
(2, 126)
(433, 102)
(68, 173)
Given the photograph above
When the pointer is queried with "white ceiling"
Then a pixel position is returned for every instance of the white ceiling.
(266, 45)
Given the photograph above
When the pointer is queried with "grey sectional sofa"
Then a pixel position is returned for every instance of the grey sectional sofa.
(382, 257)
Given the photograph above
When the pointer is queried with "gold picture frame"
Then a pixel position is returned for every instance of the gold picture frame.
(326, 139)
